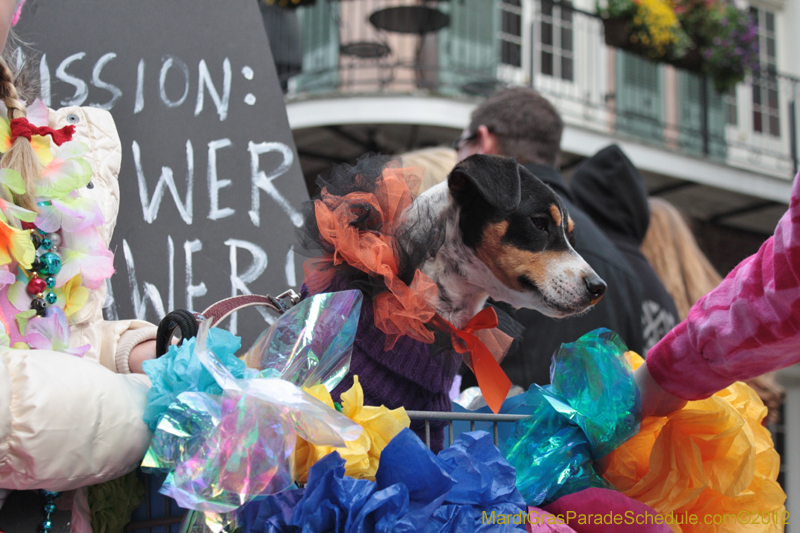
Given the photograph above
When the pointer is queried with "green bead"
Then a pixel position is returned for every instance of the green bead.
(45, 526)
(45, 244)
(49, 507)
(51, 262)
(50, 281)
(51, 298)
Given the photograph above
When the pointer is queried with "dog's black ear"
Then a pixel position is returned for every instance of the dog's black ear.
(493, 177)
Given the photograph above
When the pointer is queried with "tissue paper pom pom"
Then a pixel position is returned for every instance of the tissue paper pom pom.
(713, 457)
(179, 371)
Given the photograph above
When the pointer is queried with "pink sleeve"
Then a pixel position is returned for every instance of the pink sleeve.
(745, 327)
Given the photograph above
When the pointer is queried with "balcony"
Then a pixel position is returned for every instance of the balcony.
(739, 149)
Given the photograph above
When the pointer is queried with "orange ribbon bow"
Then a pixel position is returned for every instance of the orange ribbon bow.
(493, 382)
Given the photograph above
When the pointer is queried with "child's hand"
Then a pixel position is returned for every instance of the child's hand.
(655, 400)
(141, 353)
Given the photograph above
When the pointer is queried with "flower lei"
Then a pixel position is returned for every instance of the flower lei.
(52, 257)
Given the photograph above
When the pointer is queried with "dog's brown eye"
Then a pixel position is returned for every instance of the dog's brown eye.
(540, 223)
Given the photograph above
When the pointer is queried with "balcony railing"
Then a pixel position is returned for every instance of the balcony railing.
(469, 48)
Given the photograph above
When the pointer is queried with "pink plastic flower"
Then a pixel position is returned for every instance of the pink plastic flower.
(6, 277)
(51, 332)
(85, 253)
(70, 213)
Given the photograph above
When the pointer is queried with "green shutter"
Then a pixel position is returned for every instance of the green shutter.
(690, 118)
(320, 35)
(468, 46)
(639, 98)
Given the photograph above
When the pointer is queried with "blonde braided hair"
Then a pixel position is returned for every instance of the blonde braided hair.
(20, 156)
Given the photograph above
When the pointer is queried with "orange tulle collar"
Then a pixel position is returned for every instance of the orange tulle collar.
(360, 229)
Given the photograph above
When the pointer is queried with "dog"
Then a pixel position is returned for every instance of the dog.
(508, 237)
(492, 230)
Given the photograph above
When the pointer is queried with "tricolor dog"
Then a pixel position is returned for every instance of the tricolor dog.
(493, 230)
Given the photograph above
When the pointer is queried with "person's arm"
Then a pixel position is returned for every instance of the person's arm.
(655, 400)
(134, 345)
(119, 345)
(747, 326)
(140, 353)
(66, 422)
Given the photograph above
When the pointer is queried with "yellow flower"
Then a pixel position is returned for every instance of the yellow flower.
(657, 25)
(361, 456)
(72, 296)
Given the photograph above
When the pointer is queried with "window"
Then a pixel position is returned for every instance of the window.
(765, 83)
(511, 33)
(556, 40)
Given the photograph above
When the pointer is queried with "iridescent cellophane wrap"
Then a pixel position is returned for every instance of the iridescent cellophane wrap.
(221, 451)
(315, 346)
(591, 408)
(197, 522)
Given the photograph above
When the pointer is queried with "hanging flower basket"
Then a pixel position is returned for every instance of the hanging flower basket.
(645, 27)
(713, 37)
(618, 33)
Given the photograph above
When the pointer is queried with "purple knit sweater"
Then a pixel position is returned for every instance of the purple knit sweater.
(405, 376)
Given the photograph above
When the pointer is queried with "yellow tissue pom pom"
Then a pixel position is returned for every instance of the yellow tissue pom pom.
(380, 425)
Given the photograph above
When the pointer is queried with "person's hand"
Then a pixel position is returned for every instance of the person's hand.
(140, 353)
(655, 400)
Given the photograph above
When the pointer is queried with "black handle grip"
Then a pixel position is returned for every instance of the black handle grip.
(179, 318)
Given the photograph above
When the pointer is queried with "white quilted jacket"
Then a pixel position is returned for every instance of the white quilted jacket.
(67, 422)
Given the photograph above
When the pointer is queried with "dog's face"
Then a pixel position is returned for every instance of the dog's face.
(521, 231)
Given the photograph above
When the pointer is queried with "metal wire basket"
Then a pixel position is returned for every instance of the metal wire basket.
(160, 514)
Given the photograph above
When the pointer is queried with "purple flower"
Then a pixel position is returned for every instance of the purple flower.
(723, 22)
(738, 51)
(707, 53)
(717, 41)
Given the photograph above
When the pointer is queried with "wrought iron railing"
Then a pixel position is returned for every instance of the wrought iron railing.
(469, 48)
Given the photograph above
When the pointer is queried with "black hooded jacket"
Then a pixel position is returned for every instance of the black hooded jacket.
(609, 189)
(619, 310)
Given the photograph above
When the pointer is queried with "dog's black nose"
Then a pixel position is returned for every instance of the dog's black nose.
(596, 286)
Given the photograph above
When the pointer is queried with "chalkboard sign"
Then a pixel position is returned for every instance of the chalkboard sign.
(210, 181)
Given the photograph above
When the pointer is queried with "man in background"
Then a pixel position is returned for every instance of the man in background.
(520, 123)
